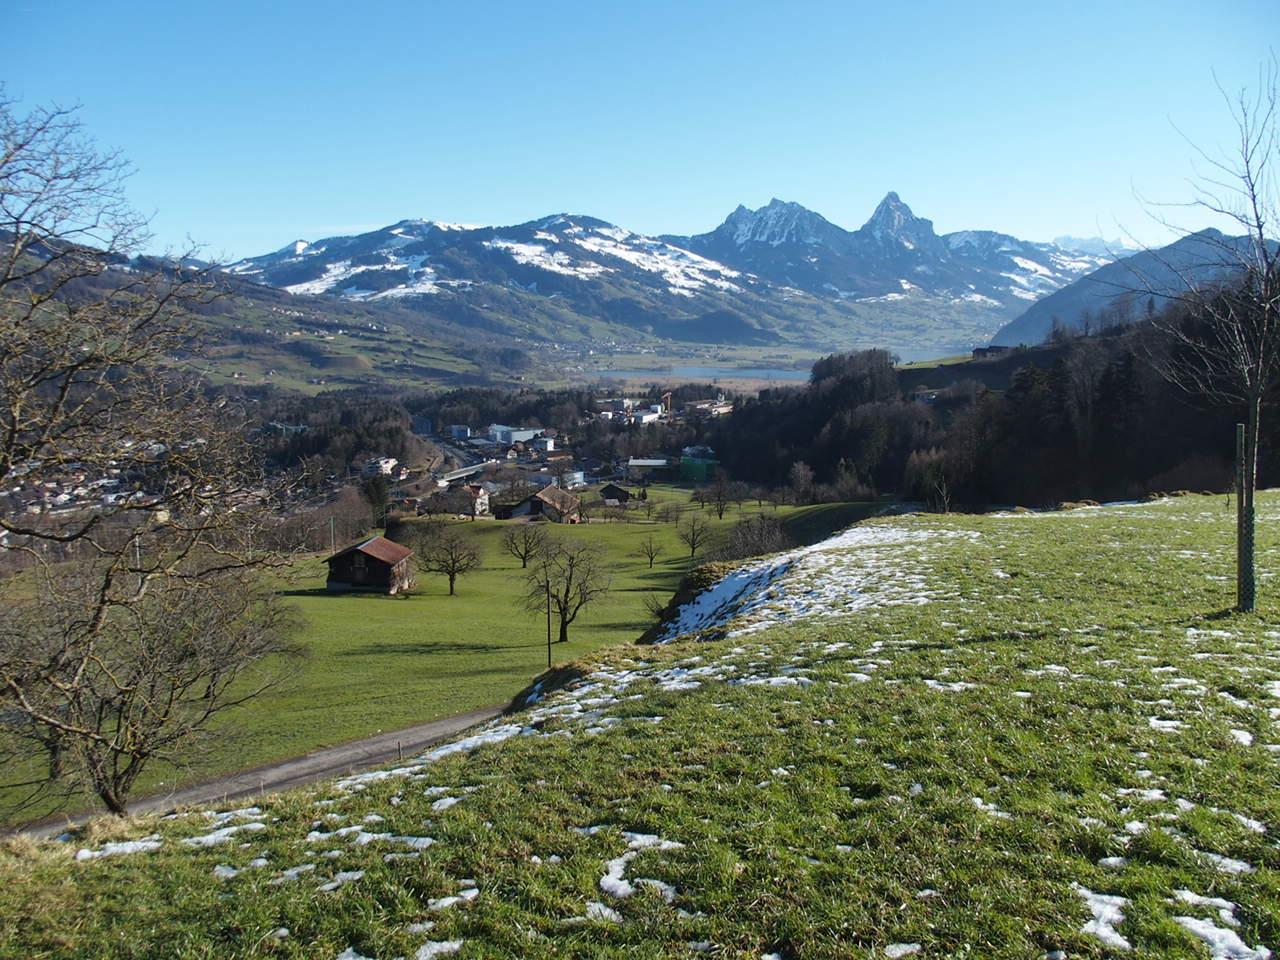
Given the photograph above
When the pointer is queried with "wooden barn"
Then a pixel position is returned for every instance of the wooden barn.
(611, 491)
(377, 564)
(551, 503)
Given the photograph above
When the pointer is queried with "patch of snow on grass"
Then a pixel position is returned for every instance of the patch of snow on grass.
(223, 835)
(1223, 944)
(1107, 913)
(875, 564)
(437, 948)
(116, 849)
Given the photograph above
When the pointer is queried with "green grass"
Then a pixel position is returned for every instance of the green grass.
(940, 362)
(828, 818)
(375, 663)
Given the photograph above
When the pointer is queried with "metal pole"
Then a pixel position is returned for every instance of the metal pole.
(333, 547)
(547, 584)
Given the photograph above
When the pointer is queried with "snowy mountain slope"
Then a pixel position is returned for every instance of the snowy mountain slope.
(1118, 291)
(785, 243)
(778, 274)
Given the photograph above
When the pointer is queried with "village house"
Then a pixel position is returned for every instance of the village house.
(614, 495)
(552, 503)
(479, 499)
(378, 565)
(379, 466)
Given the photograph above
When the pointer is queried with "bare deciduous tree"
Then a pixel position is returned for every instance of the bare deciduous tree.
(96, 700)
(91, 399)
(1224, 342)
(448, 553)
(694, 533)
(754, 537)
(568, 574)
(524, 541)
(650, 549)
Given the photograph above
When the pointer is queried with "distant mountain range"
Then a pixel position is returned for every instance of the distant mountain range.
(1126, 289)
(779, 274)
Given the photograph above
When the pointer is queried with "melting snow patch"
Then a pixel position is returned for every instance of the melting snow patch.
(955, 686)
(345, 876)
(223, 835)
(123, 847)
(861, 567)
(437, 948)
(292, 873)
(990, 808)
(1242, 737)
(901, 949)
(1107, 913)
(1226, 909)
(1225, 864)
(444, 903)
(1223, 944)
(598, 911)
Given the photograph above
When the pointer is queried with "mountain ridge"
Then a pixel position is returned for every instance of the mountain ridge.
(780, 273)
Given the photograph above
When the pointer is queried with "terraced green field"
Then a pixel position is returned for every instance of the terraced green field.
(1028, 735)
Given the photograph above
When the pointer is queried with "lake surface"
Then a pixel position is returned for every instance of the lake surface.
(710, 373)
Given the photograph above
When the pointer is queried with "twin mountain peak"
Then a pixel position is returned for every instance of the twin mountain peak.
(780, 273)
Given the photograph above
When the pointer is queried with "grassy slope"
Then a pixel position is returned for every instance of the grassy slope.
(828, 817)
(376, 663)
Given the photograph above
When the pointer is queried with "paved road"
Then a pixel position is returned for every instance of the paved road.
(299, 771)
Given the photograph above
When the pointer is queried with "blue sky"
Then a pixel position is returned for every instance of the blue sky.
(253, 124)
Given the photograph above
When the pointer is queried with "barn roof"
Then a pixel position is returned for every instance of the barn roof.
(560, 499)
(380, 548)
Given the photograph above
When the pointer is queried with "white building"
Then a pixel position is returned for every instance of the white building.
(379, 466)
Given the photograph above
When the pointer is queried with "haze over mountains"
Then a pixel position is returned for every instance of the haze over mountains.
(781, 274)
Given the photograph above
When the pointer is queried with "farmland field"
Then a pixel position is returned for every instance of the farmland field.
(1021, 735)
(375, 663)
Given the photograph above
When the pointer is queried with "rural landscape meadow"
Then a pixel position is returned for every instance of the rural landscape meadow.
(713, 579)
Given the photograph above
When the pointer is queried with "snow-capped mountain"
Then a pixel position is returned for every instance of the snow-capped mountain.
(1123, 290)
(894, 254)
(781, 273)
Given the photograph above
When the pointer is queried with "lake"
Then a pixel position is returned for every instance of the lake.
(709, 373)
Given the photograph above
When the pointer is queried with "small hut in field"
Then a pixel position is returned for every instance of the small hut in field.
(377, 564)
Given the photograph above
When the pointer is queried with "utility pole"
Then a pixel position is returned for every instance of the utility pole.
(1246, 587)
(547, 584)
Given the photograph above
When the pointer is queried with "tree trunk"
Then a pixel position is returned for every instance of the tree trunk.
(564, 631)
(452, 578)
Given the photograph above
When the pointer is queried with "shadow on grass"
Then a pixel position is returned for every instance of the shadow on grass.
(1003, 637)
(419, 648)
(360, 594)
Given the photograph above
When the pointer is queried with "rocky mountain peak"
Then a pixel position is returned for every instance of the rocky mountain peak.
(893, 224)
(778, 222)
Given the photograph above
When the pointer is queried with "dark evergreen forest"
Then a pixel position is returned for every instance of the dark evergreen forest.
(1084, 418)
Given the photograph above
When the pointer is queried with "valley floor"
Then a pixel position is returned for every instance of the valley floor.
(1021, 735)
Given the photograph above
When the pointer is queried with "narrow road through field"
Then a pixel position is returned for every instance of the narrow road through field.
(287, 774)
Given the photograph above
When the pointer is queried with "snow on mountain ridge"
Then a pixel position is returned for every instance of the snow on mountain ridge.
(776, 223)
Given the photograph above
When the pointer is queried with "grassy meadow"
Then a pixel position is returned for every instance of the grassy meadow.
(1006, 736)
(375, 663)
